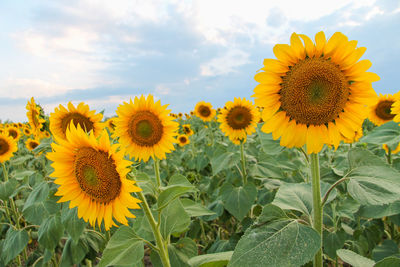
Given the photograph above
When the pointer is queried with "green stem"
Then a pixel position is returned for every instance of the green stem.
(157, 172)
(243, 160)
(389, 156)
(163, 252)
(12, 203)
(317, 205)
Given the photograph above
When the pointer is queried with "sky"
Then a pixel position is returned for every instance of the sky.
(104, 52)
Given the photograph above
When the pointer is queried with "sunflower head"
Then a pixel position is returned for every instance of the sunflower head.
(237, 141)
(204, 111)
(315, 94)
(380, 111)
(92, 176)
(7, 147)
(191, 113)
(27, 131)
(187, 130)
(87, 119)
(180, 115)
(183, 139)
(110, 124)
(31, 144)
(239, 119)
(14, 132)
(386, 148)
(35, 120)
(145, 128)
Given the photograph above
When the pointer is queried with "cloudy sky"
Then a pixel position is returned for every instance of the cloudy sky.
(103, 52)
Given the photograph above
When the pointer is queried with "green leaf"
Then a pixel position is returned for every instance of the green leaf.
(220, 259)
(379, 211)
(281, 243)
(180, 252)
(123, 249)
(36, 207)
(142, 226)
(298, 196)
(195, 209)
(271, 213)
(73, 253)
(178, 185)
(333, 241)
(225, 161)
(374, 185)
(238, 200)
(19, 160)
(7, 188)
(388, 262)
(216, 206)
(268, 144)
(354, 259)
(21, 174)
(146, 183)
(386, 249)
(73, 224)
(362, 157)
(178, 179)
(14, 243)
(388, 133)
(50, 232)
(174, 219)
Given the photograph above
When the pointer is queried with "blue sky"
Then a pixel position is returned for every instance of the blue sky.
(104, 52)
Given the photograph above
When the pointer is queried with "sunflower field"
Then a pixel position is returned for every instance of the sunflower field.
(307, 175)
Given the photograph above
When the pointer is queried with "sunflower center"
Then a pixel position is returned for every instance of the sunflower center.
(204, 111)
(97, 175)
(33, 145)
(145, 128)
(383, 110)
(182, 139)
(13, 133)
(77, 118)
(314, 91)
(4, 146)
(186, 129)
(239, 117)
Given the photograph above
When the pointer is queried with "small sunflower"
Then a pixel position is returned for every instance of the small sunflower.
(315, 94)
(183, 139)
(82, 115)
(145, 128)
(14, 132)
(7, 147)
(180, 115)
(237, 141)
(110, 124)
(31, 144)
(92, 176)
(380, 112)
(204, 111)
(33, 114)
(239, 119)
(27, 131)
(191, 113)
(187, 130)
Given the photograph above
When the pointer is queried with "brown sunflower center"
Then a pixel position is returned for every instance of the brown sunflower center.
(4, 146)
(204, 111)
(77, 118)
(186, 129)
(27, 132)
(33, 144)
(145, 128)
(182, 139)
(383, 110)
(239, 117)
(97, 175)
(13, 133)
(314, 91)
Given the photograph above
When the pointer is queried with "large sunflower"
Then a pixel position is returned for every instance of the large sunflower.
(380, 111)
(315, 94)
(145, 128)
(7, 147)
(238, 119)
(204, 111)
(33, 114)
(92, 176)
(82, 115)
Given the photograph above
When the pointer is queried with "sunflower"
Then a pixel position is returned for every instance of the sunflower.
(237, 141)
(87, 119)
(396, 108)
(92, 175)
(204, 111)
(187, 130)
(380, 111)
(33, 114)
(239, 119)
(27, 131)
(180, 115)
(14, 132)
(31, 144)
(7, 147)
(315, 94)
(191, 113)
(145, 128)
(110, 124)
(395, 151)
(183, 139)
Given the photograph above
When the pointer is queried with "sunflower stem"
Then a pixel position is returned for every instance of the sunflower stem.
(12, 203)
(163, 252)
(243, 160)
(317, 205)
(157, 172)
(389, 156)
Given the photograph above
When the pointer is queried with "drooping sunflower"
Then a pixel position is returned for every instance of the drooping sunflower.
(204, 111)
(14, 132)
(239, 119)
(145, 128)
(92, 176)
(315, 94)
(33, 114)
(183, 139)
(187, 130)
(31, 144)
(7, 147)
(82, 115)
(380, 111)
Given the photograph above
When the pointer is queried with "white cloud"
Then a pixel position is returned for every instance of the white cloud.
(24, 88)
(161, 89)
(225, 64)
